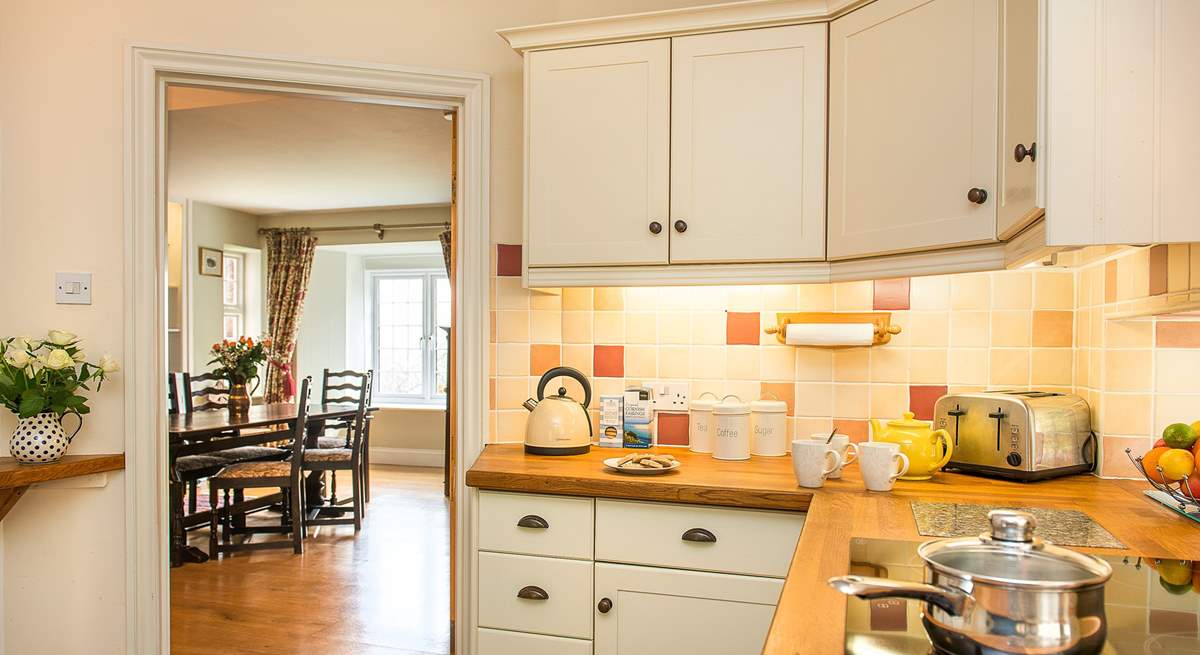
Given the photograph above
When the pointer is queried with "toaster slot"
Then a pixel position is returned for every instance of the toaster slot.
(999, 415)
(957, 412)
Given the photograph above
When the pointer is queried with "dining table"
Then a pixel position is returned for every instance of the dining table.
(197, 433)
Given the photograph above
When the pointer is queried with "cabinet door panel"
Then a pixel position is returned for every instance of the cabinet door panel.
(912, 126)
(657, 611)
(1017, 184)
(748, 145)
(598, 145)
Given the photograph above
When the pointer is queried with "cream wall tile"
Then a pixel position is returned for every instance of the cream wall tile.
(745, 389)
(1083, 328)
(512, 359)
(741, 362)
(643, 299)
(969, 329)
(814, 297)
(814, 399)
(545, 299)
(803, 427)
(545, 326)
(578, 357)
(1011, 328)
(1082, 370)
(1125, 413)
(577, 326)
(675, 362)
(674, 298)
(1129, 334)
(1054, 290)
(575, 298)
(928, 329)
(641, 327)
(708, 362)
(512, 326)
(1177, 371)
(607, 386)
(888, 400)
(1096, 367)
(968, 366)
(1194, 275)
(889, 364)
(777, 363)
(698, 388)
(510, 425)
(708, 298)
(851, 401)
(779, 298)
(510, 294)
(927, 366)
(1052, 367)
(1098, 326)
(1128, 370)
(608, 298)
(765, 319)
(1083, 289)
(851, 365)
(1096, 287)
(903, 319)
(511, 392)
(608, 327)
(675, 328)
(930, 292)
(970, 291)
(1133, 275)
(708, 328)
(814, 365)
(1009, 367)
(641, 361)
(1171, 408)
(853, 296)
(745, 298)
(1012, 290)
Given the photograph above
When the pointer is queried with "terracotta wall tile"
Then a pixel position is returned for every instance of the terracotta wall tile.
(543, 357)
(858, 430)
(1158, 270)
(921, 398)
(741, 328)
(508, 260)
(1177, 334)
(1113, 461)
(785, 391)
(1053, 329)
(1110, 281)
(673, 429)
(609, 361)
(891, 294)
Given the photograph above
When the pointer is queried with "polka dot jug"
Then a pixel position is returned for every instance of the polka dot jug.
(40, 439)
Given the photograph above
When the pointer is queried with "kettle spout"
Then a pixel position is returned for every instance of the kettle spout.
(530, 404)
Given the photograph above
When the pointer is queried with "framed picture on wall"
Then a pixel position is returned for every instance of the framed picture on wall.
(210, 261)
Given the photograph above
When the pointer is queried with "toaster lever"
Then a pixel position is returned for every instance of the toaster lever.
(999, 415)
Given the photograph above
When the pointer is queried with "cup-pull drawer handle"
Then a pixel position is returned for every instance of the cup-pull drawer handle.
(699, 535)
(533, 593)
(533, 521)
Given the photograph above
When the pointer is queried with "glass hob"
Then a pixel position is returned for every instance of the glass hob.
(1151, 609)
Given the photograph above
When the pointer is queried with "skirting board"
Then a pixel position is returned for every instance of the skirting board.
(429, 457)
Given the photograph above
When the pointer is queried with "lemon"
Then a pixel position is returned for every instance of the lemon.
(1179, 435)
(1177, 464)
(1176, 571)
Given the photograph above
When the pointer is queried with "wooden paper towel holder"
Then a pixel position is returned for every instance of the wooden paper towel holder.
(884, 329)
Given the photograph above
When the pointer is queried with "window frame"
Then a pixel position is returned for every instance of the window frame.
(429, 328)
(237, 310)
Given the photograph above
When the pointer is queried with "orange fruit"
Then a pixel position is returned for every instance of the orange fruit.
(1150, 462)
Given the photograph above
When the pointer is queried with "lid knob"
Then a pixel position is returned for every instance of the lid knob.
(1012, 525)
(562, 391)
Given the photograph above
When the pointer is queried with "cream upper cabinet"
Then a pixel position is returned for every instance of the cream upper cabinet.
(597, 154)
(912, 126)
(1122, 97)
(748, 145)
(1017, 188)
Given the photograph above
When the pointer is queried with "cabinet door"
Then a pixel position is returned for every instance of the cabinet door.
(1017, 186)
(655, 611)
(598, 144)
(912, 126)
(748, 145)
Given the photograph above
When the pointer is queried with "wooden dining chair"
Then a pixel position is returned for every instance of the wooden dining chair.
(205, 392)
(341, 387)
(342, 459)
(287, 476)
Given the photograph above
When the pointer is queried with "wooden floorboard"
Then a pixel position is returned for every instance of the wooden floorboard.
(384, 591)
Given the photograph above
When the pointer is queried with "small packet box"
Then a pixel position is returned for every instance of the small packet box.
(611, 420)
(638, 413)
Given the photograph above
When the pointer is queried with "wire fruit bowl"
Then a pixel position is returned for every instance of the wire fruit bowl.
(1177, 496)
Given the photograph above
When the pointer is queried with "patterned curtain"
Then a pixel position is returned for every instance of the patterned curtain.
(444, 237)
(289, 263)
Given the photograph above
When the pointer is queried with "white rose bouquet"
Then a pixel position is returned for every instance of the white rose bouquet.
(46, 375)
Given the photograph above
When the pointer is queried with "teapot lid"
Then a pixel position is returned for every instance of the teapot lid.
(908, 422)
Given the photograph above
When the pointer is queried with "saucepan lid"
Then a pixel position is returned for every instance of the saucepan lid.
(1010, 555)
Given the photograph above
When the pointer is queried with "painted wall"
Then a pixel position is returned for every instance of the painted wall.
(215, 227)
(322, 340)
(396, 216)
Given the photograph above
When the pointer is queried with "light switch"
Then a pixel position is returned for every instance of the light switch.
(73, 288)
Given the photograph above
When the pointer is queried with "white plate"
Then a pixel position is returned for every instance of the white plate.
(611, 463)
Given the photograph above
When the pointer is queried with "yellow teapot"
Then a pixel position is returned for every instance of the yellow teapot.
(928, 450)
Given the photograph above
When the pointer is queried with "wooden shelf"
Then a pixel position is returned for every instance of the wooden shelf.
(15, 478)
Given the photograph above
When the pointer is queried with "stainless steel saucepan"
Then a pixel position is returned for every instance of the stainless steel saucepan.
(1003, 592)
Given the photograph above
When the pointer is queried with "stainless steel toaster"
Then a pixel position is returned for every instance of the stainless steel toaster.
(1018, 435)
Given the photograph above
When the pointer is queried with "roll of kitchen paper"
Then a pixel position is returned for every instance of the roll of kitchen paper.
(830, 334)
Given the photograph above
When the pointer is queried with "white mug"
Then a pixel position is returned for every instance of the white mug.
(841, 444)
(813, 461)
(878, 463)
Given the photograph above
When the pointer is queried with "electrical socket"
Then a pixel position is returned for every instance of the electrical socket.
(670, 396)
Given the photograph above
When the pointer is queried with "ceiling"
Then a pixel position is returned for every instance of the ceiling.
(268, 154)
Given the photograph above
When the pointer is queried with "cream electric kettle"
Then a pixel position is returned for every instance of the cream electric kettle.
(559, 424)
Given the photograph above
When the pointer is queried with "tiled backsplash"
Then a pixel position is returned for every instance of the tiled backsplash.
(1004, 329)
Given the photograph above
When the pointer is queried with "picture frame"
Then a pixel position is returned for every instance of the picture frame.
(210, 261)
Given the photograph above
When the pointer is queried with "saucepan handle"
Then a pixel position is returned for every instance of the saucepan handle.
(950, 600)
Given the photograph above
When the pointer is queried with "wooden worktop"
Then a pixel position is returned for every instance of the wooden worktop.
(811, 616)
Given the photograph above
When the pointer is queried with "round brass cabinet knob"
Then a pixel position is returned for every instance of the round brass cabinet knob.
(977, 196)
(655, 227)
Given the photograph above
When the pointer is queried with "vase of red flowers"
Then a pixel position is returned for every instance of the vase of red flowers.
(238, 362)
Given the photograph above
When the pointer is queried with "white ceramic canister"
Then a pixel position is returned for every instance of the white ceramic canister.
(701, 428)
(732, 421)
(768, 427)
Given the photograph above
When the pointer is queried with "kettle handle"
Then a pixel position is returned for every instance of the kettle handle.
(566, 371)
(948, 445)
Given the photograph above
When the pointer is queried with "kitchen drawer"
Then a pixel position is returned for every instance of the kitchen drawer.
(747, 541)
(565, 612)
(504, 642)
(568, 520)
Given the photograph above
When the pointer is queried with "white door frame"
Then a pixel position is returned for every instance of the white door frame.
(148, 70)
